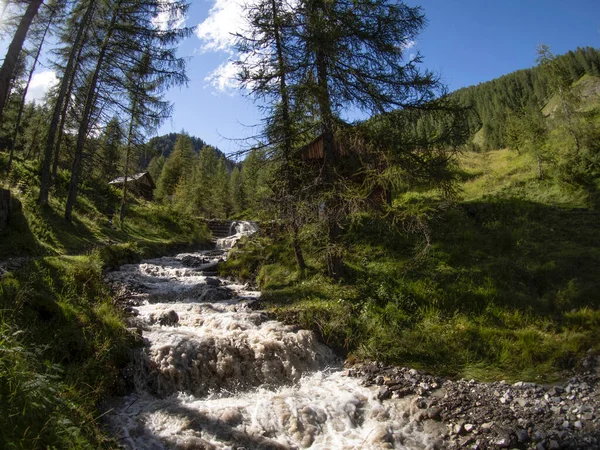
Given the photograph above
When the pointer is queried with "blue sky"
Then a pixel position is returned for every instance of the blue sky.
(466, 42)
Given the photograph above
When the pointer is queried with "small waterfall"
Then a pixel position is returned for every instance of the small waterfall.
(237, 230)
(217, 374)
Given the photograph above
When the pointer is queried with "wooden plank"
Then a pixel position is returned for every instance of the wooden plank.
(4, 208)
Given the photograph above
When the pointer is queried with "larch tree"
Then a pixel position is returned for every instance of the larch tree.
(267, 50)
(88, 106)
(75, 38)
(17, 126)
(354, 56)
(336, 55)
(14, 50)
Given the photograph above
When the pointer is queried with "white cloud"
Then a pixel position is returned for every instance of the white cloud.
(224, 78)
(167, 18)
(409, 44)
(224, 19)
(41, 83)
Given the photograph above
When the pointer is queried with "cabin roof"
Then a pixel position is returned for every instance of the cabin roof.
(135, 177)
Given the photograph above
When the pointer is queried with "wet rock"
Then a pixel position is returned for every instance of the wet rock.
(193, 261)
(434, 413)
(212, 295)
(469, 427)
(553, 445)
(214, 282)
(522, 415)
(168, 318)
(522, 436)
(384, 393)
(502, 442)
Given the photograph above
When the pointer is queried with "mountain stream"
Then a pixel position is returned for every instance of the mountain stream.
(216, 373)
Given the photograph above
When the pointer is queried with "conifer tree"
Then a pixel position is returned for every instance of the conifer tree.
(14, 51)
(80, 18)
(177, 166)
(89, 103)
(17, 127)
(111, 143)
(266, 77)
(238, 192)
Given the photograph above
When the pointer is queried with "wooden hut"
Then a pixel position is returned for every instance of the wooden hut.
(351, 157)
(140, 184)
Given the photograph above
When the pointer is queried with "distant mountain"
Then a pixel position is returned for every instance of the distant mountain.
(495, 100)
(163, 145)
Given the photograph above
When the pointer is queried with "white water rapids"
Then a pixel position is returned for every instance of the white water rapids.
(217, 374)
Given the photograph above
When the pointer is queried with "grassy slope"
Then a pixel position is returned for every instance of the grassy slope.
(36, 231)
(508, 289)
(63, 342)
(588, 88)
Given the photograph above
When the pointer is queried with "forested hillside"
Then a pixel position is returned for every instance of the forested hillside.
(497, 100)
(163, 146)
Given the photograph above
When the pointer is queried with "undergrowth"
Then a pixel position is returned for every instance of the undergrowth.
(63, 341)
(63, 344)
(39, 231)
(507, 289)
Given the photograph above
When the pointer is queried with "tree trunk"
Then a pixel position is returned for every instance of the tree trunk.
(333, 206)
(85, 119)
(67, 78)
(22, 105)
(540, 168)
(61, 126)
(287, 146)
(126, 168)
(14, 50)
(297, 249)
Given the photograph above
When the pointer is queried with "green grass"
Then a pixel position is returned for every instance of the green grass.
(63, 345)
(588, 87)
(36, 231)
(508, 288)
(63, 341)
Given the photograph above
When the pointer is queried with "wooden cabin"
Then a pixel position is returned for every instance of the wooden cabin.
(140, 184)
(350, 158)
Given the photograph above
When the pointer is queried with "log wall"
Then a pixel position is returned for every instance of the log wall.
(4, 208)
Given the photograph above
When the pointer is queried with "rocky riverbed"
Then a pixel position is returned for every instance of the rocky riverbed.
(498, 415)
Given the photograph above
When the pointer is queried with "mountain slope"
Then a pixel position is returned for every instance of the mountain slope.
(495, 100)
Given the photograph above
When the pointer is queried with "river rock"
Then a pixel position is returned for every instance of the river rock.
(213, 282)
(193, 261)
(168, 318)
(521, 415)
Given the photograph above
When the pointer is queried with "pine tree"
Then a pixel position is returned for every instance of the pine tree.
(353, 55)
(155, 166)
(222, 189)
(80, 18)
(178, 165)
(14, 51)
(111, 143)
(238, 191)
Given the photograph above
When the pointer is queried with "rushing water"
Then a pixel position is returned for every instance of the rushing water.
(217, 374)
